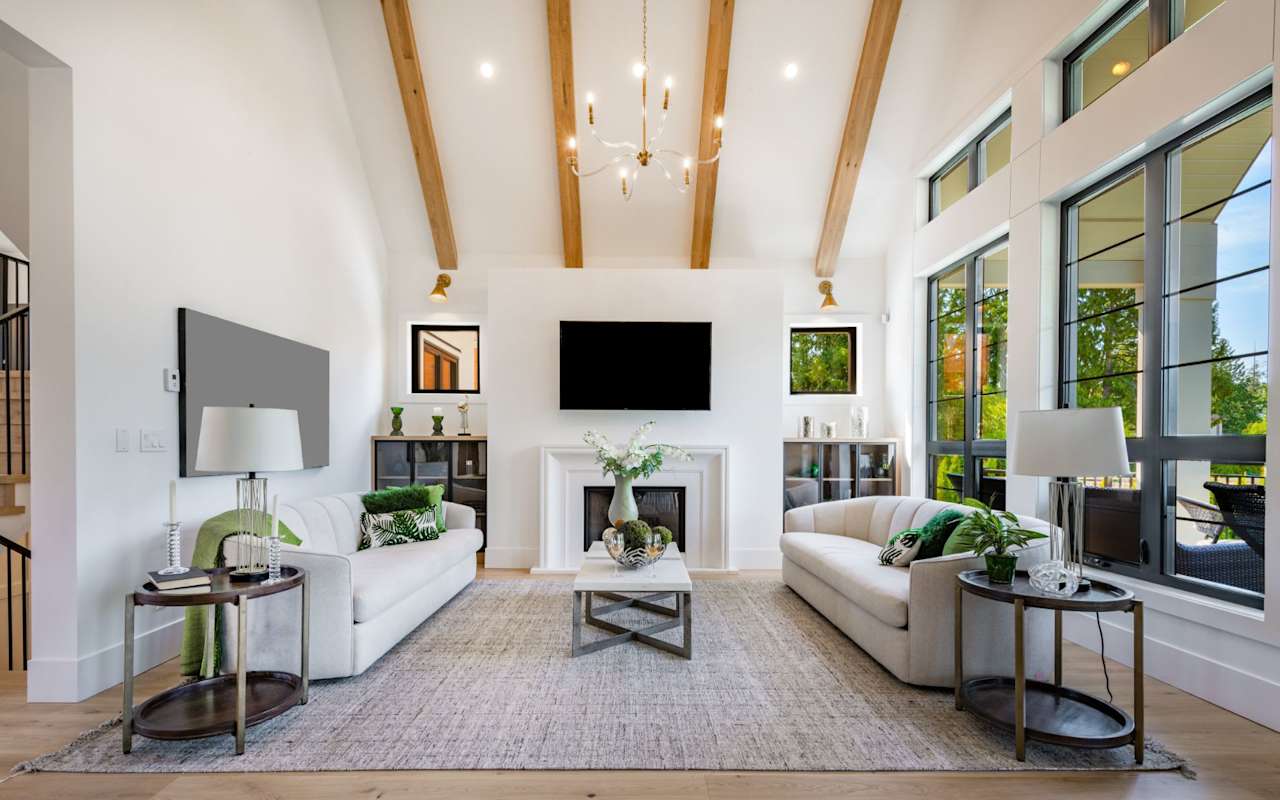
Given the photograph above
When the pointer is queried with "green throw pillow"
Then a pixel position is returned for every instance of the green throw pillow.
(935, 533)
(958, 542)
(407, 498)
(397, 527)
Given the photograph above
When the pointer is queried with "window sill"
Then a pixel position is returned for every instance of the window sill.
(1240, 620)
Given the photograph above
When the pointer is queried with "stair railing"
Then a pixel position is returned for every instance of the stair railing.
(12, 549)
(15, 358)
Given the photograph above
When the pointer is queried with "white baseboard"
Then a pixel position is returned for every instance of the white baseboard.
(70, 680)
(510, 557)
(757, 558)
(1251, 696)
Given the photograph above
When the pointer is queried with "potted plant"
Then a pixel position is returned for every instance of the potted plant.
(633, 460)
(994, 534)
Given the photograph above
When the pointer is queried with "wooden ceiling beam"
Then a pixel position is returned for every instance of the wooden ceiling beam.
(857, 129)
(404, 55)
(560, 39)
(715, 82)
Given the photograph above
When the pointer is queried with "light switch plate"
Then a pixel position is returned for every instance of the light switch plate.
(172, 382)
(153, 441)
(122, 440)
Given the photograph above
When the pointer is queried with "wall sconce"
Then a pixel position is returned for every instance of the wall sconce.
(828, 302)
(438, 294)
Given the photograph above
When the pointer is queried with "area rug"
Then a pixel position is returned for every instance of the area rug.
(487, 683)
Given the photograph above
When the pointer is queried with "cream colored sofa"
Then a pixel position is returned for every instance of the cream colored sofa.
(904, 617)
(363, 602)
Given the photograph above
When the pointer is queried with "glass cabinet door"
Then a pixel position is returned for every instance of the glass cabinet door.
(801, 474)
(838, 464)
(876, 469)
(391, 464)
(431, 463)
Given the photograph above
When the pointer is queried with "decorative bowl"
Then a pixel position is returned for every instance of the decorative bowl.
(635, 557)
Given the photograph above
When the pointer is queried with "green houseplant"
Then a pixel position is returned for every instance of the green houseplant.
(994, 534)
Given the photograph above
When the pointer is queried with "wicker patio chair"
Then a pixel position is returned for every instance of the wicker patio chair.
(1207, 518)
(1243, 510)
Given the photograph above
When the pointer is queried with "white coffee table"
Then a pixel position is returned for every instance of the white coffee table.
(646, 586)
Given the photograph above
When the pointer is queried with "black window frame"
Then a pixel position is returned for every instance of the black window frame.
(970, 151)
(971, 449)
(1160, 28)
(1155, 450)
(854, 342)
(415, 363)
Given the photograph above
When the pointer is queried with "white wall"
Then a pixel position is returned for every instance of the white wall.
(214, 167)
(13, 154)
(745, 309)
(1227, 654)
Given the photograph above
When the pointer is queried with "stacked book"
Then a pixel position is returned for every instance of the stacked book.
(191, 581)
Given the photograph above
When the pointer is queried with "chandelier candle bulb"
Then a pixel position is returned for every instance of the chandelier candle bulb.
(688, 162)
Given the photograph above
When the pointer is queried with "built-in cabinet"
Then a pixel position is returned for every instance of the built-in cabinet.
(459, 463)
(817, 470)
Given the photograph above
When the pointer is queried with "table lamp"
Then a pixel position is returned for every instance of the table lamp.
(1066, 444)
(250, 440)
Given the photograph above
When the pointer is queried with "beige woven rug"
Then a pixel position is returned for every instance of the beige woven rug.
(487, 683)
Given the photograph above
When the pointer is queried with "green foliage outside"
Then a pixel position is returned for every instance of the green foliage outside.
(821, 362)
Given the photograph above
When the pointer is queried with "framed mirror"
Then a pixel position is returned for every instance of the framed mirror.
(445, 359)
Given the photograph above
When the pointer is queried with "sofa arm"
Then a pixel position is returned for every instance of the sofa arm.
(458, 516)
(274, 636)
(798, 519)
(988, 634)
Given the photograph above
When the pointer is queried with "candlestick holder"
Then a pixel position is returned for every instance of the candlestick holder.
(437, 425)
(273, 556)
(173, 548)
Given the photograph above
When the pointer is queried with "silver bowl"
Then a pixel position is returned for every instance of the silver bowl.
(635, 557)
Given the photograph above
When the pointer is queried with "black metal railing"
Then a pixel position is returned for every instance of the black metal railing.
(15, 360)
(16, 552)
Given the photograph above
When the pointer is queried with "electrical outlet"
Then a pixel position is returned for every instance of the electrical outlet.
(122, 440)
(172, 380)
(153, 441)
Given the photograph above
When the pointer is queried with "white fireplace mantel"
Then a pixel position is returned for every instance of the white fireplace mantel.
(565, 473)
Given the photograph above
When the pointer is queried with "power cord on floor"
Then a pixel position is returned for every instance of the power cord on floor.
(1102, 650)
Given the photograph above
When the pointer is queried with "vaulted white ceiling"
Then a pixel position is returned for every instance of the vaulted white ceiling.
(496, 136)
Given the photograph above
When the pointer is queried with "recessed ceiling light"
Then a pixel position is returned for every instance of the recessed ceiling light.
(486, 70)
(790, 71)
(1121, 68)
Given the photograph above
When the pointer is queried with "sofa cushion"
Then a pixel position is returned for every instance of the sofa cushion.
(383, 576)
(852, 568)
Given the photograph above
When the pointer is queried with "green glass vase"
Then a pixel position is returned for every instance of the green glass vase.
(397, 424)
(1000, 568)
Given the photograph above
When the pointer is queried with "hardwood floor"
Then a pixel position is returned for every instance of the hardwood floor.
(1233, 758)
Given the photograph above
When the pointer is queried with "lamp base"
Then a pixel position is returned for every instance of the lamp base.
(248, 575)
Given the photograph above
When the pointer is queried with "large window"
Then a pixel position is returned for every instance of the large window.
(981, 158)
(824, 360)
(1123, 43)
(1165, 314)
(968, 359)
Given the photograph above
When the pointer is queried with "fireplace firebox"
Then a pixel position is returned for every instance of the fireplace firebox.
(658, 505)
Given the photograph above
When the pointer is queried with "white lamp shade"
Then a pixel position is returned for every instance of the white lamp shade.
(1069, 443)
(236, 439)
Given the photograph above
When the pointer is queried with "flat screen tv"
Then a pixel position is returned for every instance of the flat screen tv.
(222, 363)
(667, 366)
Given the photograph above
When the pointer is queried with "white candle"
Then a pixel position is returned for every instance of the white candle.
(275, 517)
(173, 502)
(436, 411)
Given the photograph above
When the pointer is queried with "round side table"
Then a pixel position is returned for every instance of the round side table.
(1042, 711)
(223, 704)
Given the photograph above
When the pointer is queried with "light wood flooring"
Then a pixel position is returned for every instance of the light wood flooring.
(1233, 758)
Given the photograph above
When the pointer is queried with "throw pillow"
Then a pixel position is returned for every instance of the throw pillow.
(407, 498)
(397, 527)
(958, 542)
(937, 531)
(901, 548)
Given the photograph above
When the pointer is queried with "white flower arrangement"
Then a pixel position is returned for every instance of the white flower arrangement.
(635, 459)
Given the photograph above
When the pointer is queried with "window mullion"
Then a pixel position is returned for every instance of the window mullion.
(970, 369)
(1152, 398)
(1160, 26)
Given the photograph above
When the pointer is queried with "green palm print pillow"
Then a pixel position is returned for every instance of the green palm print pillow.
(398, 527)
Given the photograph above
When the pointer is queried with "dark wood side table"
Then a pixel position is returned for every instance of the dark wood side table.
(1049, 712)
(224, 703)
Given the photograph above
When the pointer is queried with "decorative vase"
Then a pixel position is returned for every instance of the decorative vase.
(644, 555)
(859, 422)
(397, 424)
(1000, 568)
(437, 426)
(622, 508)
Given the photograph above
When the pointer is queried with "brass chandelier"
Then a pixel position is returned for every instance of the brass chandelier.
(634, 156)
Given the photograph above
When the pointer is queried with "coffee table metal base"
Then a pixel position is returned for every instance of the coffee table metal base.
(682, 616)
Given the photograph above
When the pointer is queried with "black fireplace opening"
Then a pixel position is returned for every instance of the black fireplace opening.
(658, 505)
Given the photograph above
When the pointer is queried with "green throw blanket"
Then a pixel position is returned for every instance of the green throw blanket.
(201, 653)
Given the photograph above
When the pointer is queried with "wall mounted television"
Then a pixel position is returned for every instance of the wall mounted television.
(641, 366)
(222, 363)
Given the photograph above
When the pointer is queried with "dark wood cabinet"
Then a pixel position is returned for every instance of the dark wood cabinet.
(459, 463)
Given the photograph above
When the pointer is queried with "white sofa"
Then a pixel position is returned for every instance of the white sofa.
(904, 617)
(362, 601)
